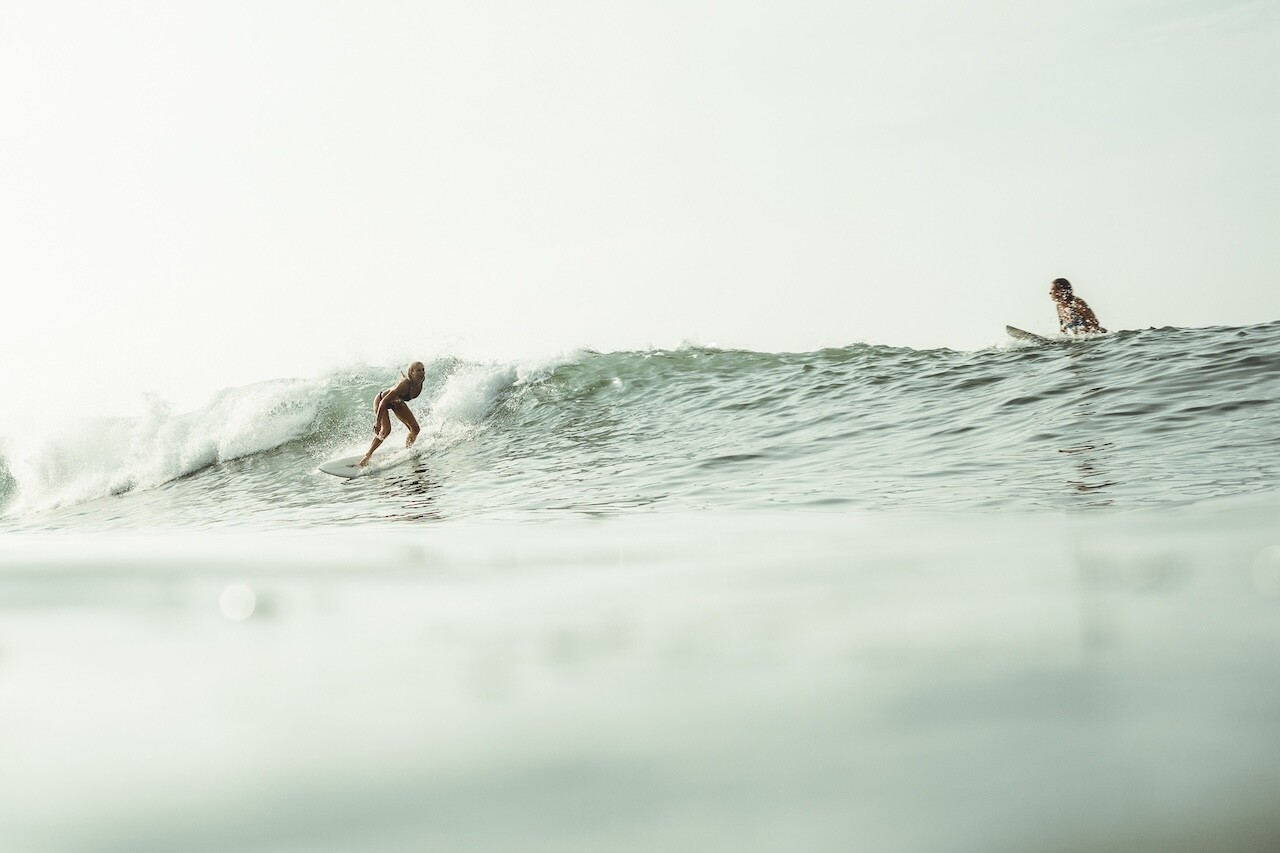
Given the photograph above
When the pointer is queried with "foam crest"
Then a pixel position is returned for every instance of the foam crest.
(105, 456)
(472, 392)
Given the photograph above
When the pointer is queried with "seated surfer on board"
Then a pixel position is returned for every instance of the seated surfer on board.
(396, 399)
(1075, 317)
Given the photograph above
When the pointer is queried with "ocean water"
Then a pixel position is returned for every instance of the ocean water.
(868, 598)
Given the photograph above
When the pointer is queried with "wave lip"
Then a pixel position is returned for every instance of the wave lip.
(98, 457)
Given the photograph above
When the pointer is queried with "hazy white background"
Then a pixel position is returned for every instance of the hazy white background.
(221, 192)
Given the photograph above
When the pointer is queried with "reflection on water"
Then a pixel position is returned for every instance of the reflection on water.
(1091, 477)
(417, 491)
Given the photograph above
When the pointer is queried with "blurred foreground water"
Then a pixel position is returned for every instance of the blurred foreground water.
(720, 681)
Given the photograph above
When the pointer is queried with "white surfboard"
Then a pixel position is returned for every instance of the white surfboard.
(1023, 335)
(346, 467)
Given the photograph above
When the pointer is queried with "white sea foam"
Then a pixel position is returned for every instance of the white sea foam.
(472, 392)
(95, 457)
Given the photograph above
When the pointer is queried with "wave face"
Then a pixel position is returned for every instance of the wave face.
(1130, 420)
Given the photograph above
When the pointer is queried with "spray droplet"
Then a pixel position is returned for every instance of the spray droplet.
(237, 602)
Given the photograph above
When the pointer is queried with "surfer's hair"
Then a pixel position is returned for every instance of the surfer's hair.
(1061, 285)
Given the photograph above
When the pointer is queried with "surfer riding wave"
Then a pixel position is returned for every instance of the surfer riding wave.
(395, 399)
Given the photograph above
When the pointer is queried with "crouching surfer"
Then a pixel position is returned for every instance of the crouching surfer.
(396, 399)
(1075, 317)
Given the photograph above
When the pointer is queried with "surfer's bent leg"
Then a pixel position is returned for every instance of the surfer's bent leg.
(382, 426)
(405, 414)
(381, 429)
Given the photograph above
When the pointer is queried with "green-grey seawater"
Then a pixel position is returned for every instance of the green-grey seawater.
(1132, 420)
(1026, 598)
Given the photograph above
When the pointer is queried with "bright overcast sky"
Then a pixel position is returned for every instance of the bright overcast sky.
(250, 190)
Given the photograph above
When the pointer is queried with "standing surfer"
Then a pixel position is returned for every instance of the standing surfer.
(1075, 317)
(396, 399)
